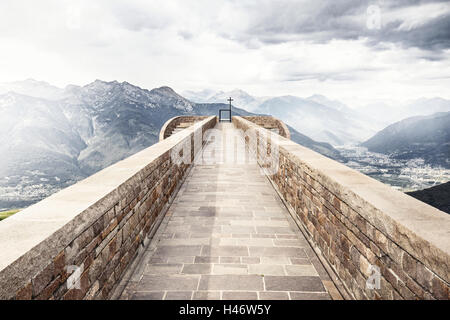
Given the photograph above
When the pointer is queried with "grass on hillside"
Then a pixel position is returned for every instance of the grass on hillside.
(6, 214)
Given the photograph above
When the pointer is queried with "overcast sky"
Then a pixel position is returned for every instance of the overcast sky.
(356, 51)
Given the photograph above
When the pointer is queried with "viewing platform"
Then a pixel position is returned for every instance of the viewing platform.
(231, 210)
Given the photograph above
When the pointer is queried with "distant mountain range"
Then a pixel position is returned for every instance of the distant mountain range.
(395, 112)
(324, 119)
(316, 116)
(241, 99)
(33, 88)
(52, 137)
(426, 137)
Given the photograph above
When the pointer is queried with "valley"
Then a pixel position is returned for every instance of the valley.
(402, 174)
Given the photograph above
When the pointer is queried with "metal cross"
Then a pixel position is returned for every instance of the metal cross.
(229, 100)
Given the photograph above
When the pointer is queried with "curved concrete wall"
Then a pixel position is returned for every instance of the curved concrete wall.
(90, 232)
(360, 226)
(172, 123)
(269, 122)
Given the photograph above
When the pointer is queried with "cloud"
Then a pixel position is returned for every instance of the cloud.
(423, 24)
(265, 47)
(413, 23)
(139, 15)
(346, 75)
(434, 35)
(341, 76)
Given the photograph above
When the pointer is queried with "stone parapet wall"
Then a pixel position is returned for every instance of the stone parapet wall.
(77, 243)
(360, 225)
(270, 122)
(172, 123)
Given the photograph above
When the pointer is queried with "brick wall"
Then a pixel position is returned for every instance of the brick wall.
(101, 239)
(356, 223)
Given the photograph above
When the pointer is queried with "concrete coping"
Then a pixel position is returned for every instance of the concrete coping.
(418, 228)
(54, 222)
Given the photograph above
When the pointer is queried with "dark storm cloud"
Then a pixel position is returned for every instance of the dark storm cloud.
(434, 35)
(322, 22)
(282, 21)
(407, 3)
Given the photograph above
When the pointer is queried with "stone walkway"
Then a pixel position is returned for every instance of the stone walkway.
(228, 236)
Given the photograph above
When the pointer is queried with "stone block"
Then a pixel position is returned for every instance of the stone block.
(197, 268)
(48, 291)
(239, 295)
(231, 282)
(293, 283)
(178, 295)
(168, 282)
(439, 289)
(26, 293)
(41, 280)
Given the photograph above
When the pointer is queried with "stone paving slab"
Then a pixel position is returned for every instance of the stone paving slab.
(227, 235)
(231, 282)
(168, 282)
(294, 283)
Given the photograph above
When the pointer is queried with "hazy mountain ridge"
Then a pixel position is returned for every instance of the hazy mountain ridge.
(394, 112)
(241, 99)
(315, 119)
(328, 120)
(321, 147)
(317, 116)
(426, 137)
(33, 88)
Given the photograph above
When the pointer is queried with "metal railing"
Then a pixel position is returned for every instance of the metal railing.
(222, 119)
